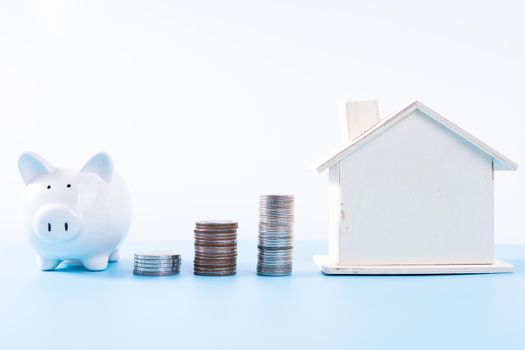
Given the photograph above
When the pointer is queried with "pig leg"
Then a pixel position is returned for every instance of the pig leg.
(115, 256)
(46, 264)
(96, 263)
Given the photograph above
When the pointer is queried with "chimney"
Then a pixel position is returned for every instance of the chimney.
(360, 116)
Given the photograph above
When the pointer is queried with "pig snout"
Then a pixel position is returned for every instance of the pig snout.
(57, 222)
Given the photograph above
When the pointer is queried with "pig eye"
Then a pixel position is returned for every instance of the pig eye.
(48, 187)
(68, 185)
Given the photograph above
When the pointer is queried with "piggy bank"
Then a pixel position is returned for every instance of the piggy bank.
(68, 214)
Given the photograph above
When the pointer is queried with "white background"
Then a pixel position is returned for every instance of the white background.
(204, 105)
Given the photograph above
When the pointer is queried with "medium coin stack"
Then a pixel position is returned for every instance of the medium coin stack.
(215, 248)
(275, 235)
(156, 264)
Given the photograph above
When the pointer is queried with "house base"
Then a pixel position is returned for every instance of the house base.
(329, 267)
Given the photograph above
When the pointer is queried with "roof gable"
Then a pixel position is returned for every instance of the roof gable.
(500, 161)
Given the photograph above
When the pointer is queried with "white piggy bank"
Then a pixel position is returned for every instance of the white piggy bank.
(74, 215)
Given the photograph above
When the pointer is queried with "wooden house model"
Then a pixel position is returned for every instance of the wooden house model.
(411, 194)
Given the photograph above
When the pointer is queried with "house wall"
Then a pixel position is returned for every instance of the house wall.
(416, 194)
(335, 210)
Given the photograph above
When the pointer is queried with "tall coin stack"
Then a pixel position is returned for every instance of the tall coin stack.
(156, 264)
(275, 235)
(215, 248)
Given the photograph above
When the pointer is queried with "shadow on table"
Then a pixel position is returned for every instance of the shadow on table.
(122, 269)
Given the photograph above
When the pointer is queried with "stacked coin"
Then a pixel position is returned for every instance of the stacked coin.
(215, 248)
(275, 235)
(156, 264)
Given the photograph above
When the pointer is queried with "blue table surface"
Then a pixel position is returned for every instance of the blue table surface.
(76, 309)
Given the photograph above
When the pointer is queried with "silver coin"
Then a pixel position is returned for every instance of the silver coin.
(157, 262)
(216, 242)
(279, 262)
(214, 264)
(212, 235)
(157, 254)
(281, 266)
(280, 210)
(276, 200)
(142, 266)
(229, 240)
(274, 268)
(217, 274)
(275, 238)
(267, 242)
(275, 235)
(274, 227)
(285, 266)
(284, 213)
(152, 263)
(214, 258)
(145, 273)
(273, 221)
(276, 247)
(214, 270)
(211, 247)
(264, 202)
(149, 258)
(214, 252)
(275, 253)
(208, 250)
(216, 224)
(274, 262)
(230, 269)
(274, 259)
(155, 270)
(276, 211)
(272, 273)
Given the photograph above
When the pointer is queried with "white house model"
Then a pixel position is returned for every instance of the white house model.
(411, 194)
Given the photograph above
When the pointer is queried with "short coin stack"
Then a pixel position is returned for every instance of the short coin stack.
(215, 248)
(275, 235)
(156, 264)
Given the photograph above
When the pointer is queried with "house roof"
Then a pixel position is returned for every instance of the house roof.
(500, 161)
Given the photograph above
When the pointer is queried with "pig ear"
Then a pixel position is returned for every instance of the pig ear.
(32, 165)
(100, 164)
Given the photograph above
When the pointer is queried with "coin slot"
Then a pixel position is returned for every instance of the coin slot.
(66, 226)
(48, 227)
